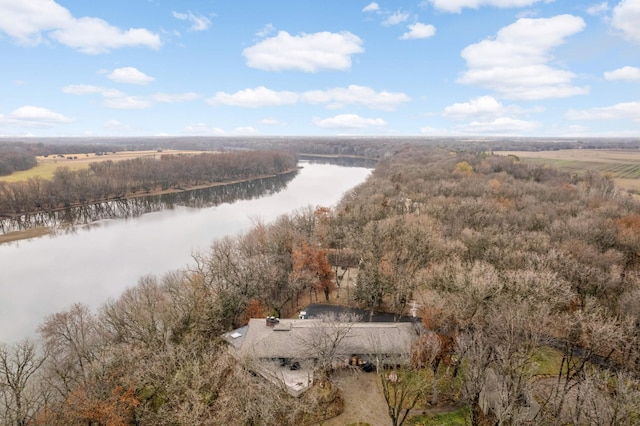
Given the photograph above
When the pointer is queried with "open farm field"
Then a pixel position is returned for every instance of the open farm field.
(623, 166)
(47, 165)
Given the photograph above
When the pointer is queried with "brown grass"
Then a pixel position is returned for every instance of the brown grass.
(47, 165)
(622, 165)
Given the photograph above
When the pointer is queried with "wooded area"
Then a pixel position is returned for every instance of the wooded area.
(509, 260)
(117, 179)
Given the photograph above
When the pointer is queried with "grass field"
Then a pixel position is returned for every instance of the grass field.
(48, 165)
(622, 166)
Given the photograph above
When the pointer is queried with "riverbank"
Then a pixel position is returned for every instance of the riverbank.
(42, 231)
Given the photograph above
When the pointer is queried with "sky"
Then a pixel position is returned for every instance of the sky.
(540, 68)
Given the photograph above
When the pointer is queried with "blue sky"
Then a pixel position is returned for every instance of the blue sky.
(563, 68)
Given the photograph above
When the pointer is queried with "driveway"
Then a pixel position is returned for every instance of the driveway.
(363, 399)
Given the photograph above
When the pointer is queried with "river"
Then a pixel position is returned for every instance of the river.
(113, 244)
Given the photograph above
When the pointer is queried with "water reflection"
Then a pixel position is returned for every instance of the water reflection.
(39, 276)
(66, 220)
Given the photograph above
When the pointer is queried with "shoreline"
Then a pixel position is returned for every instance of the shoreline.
(42, 231)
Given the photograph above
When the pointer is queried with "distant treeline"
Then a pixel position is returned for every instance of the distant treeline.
(15, 157)
(367, 147)
(117, 179)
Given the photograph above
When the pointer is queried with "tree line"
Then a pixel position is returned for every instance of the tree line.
(116, 179)
(510, 262)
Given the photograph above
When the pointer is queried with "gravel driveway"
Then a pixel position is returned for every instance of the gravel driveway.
(363, 399)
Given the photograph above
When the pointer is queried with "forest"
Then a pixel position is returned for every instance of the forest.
(510, 262)
(117, 179)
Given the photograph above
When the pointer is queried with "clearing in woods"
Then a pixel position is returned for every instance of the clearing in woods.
(622, 165)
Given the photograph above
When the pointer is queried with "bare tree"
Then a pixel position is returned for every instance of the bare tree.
(21, 395)
(325, 338)
(72, 344)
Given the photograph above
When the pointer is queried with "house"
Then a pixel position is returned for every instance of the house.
(288, 351)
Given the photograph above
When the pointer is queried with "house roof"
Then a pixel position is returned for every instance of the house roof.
(296, 338)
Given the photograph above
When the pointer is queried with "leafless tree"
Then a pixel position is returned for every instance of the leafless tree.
(21, 394)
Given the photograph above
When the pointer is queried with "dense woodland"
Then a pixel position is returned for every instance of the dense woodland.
(508, 260)
(116, 179)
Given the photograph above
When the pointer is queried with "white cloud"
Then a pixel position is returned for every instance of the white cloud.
(119, 100)
(598, 9)
(94, 36)
(198, 23)
(456, 6)
(418, 31)
(624, 73)
(245, 130)
(170, 98)
(499, 126)
(26, 21)
(306, 52)
(626, 18)
(624, 110)
(348, 121)
(355, 95)
(203, 129)
(338, 97)
(267, 30)
(396, 18)
(254, 98)
(33, 116)
(515, 64)
(477, 107)
(371, 7)
(129, 75)
(83, 89)
(127, 102)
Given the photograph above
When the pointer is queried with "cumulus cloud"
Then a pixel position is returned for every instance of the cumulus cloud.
(129, 75)
(305, 52)
(515, 64)
(626, 18)
(477, 107)
(624, 110)
(371, 7)
(119, 100)
(499, 126)
(348, 121)
(418, 31)
(254, 98)
(355, 95)
(338, 97)
(598, 9)
(34, 117)
(625, 73)
(396, 18)
(198, 22)
(456, 6)
(29, 22)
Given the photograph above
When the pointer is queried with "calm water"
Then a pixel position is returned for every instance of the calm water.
(95, 261)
